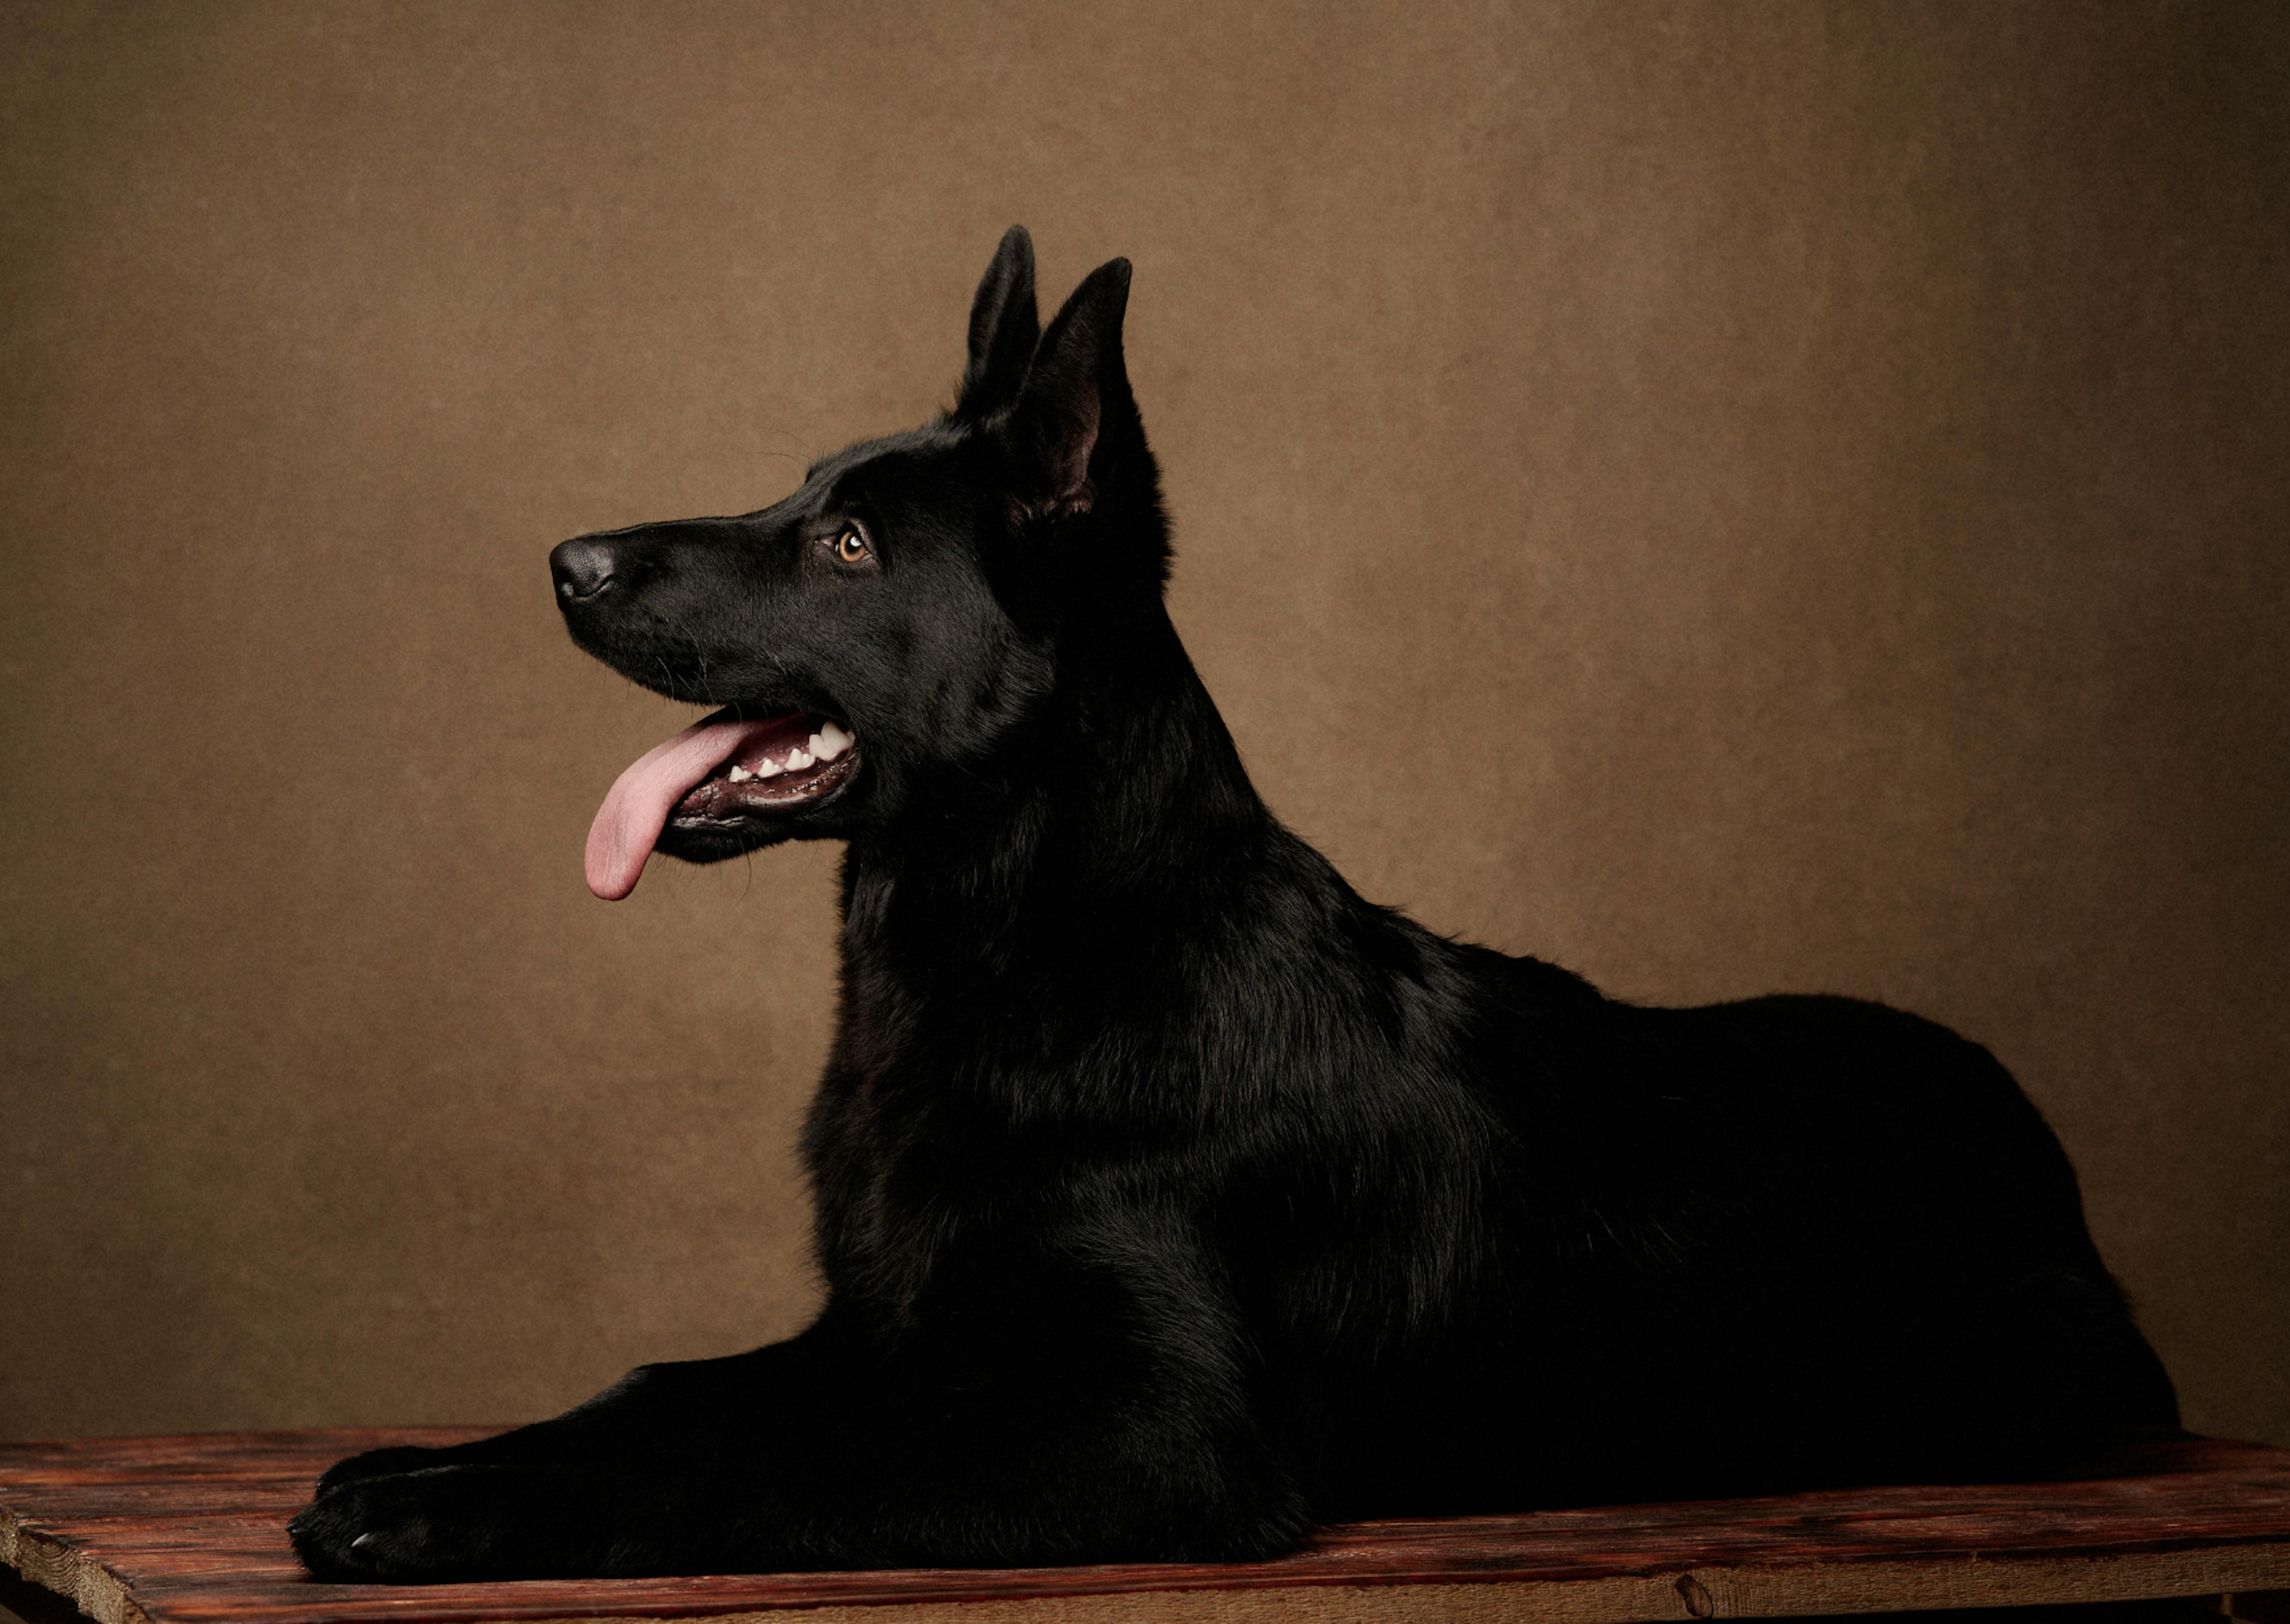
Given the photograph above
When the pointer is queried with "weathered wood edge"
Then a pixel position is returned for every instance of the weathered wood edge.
(67, 1565)
(1884, 1585)
(56, 1564)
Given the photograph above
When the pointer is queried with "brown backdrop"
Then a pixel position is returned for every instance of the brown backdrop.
(1801, 487)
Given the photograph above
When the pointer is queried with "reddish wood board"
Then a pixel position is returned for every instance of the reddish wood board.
(191, 1531)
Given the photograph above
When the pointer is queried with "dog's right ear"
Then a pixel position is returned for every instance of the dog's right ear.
(1003, 328)
(1078, 388)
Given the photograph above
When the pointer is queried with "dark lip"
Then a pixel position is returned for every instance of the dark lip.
(838, 778)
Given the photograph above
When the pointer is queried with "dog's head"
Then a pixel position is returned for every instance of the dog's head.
(884, 631)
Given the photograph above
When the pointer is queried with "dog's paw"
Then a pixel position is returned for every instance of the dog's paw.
(418, 1527)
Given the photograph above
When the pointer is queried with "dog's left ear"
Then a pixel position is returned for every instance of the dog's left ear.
(1003, 328)
(1077, 377)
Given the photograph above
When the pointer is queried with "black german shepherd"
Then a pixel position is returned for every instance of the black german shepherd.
(1170, 1197)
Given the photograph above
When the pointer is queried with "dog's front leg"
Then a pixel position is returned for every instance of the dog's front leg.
(1054, 1412)
(654, 1409)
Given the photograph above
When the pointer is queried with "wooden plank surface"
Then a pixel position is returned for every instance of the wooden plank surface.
(191, 1531)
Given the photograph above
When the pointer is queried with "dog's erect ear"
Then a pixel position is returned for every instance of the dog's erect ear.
(1077, 374)
(1003, 328)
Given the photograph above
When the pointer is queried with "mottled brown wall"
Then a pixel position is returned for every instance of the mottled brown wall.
(1726, 496)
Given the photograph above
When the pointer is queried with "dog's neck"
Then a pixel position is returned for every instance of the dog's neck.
(1123, 801)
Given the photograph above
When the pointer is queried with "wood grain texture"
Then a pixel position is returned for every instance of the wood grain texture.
(191, 1531)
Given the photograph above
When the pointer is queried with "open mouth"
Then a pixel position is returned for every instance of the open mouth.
(785, 762)
(716, 774)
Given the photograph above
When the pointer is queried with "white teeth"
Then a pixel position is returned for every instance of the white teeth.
(738, 774)
(830, 742)
(767, 768)
(817, 747)
(798, 760)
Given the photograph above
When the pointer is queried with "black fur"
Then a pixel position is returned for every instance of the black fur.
(1170, 1197)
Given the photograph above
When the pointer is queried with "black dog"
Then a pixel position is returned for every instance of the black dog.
(1170, 1197)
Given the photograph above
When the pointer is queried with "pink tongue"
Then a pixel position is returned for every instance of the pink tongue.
(636, 808)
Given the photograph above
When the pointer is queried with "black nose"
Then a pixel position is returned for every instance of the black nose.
(583, 568)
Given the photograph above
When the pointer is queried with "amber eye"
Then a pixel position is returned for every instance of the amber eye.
(850, 545)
